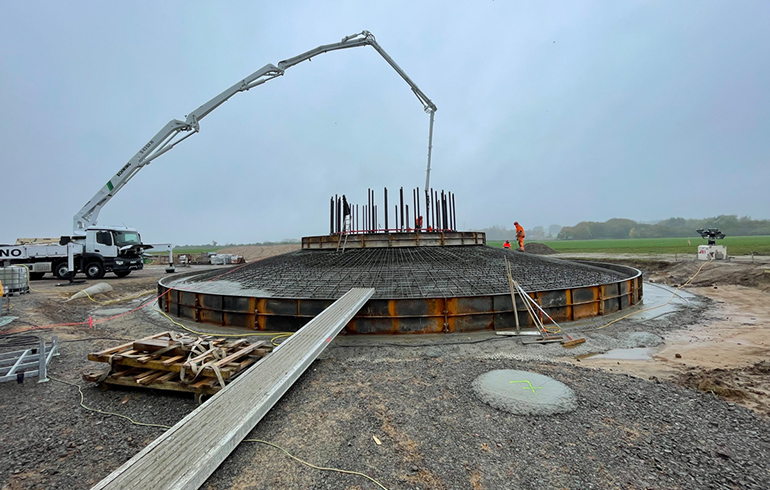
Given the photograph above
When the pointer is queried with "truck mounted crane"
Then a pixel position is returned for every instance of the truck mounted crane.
(166, 138)
(95, 250)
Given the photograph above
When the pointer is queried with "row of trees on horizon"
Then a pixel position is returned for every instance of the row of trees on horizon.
(618, 228)
(730, 225)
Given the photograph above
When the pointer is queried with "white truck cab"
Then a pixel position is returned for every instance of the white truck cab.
(111, 249)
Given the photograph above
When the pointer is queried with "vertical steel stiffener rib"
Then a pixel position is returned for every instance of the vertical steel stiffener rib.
(209, 434)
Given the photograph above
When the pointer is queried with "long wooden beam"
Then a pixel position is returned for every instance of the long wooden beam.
(188, 453)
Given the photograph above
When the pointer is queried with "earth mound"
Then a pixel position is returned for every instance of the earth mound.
(538, 249)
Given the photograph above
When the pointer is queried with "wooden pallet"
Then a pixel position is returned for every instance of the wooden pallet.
(172, 361)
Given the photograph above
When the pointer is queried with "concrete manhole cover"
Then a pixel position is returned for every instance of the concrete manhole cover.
(524, 392)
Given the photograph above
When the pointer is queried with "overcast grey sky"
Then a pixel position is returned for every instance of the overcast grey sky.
(548, 112)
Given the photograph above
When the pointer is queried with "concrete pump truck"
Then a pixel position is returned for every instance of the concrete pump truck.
(96, 250)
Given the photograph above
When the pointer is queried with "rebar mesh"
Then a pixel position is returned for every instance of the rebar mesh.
(408, 272)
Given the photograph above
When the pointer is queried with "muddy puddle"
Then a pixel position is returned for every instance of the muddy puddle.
(632, 354)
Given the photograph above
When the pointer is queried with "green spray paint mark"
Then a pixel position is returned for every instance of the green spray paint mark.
(109, 185)
(529, 387)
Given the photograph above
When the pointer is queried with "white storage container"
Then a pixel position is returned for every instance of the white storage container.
(14, 280)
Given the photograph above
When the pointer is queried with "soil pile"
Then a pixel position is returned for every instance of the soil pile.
(538, 248)
(735, 385)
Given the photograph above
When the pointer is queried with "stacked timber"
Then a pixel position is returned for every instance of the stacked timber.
(201, 365)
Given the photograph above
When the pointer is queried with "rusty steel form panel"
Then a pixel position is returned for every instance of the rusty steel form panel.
(411, 315)
(405, 239)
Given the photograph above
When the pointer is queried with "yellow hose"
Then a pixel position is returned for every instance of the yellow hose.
(661, 305)
(322, 468)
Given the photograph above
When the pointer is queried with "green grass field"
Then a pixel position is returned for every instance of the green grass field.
(738, 245)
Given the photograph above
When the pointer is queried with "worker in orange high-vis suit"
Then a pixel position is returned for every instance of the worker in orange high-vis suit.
(519, 235)
(507, 244)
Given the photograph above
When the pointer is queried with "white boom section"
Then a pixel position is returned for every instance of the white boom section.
(165, 139)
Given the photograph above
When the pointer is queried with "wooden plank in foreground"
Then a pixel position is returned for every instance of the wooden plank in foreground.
(188, 453)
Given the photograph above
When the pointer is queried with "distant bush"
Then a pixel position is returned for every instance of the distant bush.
(617, 228)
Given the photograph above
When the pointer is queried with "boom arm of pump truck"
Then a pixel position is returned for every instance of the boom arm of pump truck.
(166, 139)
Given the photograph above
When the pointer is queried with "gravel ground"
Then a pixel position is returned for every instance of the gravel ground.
(414, 395)
(625, 433)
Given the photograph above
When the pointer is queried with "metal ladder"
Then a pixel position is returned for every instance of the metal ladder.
(19, 364)
(343, 239)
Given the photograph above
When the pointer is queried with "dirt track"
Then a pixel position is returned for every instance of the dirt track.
(252, 253)
(725, 352)
(413, 395)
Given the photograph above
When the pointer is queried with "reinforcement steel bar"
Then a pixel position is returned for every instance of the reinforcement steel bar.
(385, 193)
(408, 222)
(439, 214)
(438, 225)
(396, 216)
(417, 198)
(339, 212)
(188, 453)
(445, 216)
(454, 212)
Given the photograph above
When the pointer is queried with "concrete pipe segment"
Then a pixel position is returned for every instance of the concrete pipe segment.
(420, 288)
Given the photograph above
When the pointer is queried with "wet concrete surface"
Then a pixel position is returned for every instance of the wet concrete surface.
(632, 354)
(524, 392)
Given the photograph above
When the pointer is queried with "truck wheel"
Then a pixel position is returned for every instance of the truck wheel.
(122, 273)
(61, 270)
(94, 270)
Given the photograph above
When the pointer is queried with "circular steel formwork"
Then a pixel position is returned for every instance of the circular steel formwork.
(418, 289)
